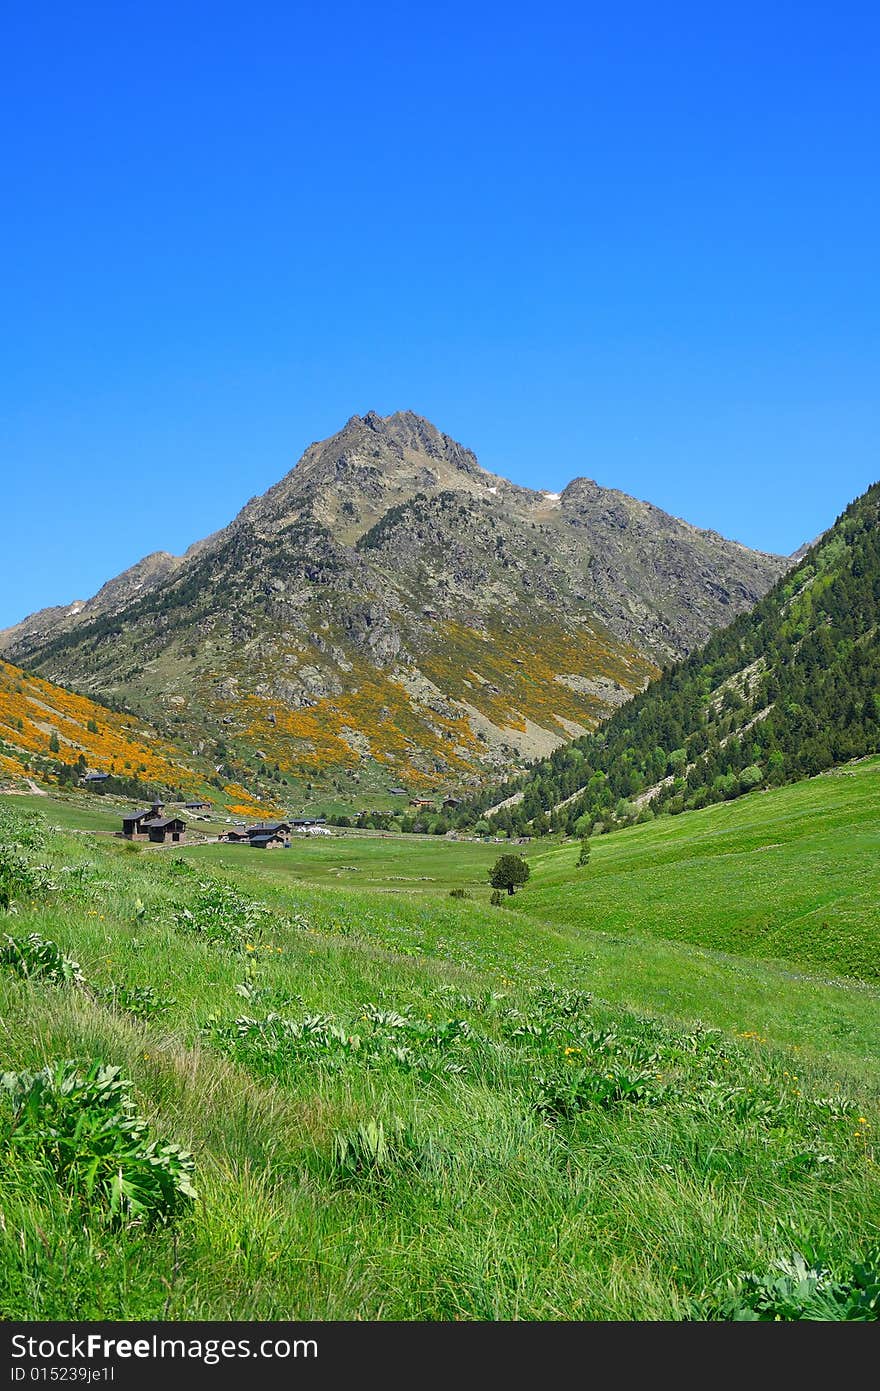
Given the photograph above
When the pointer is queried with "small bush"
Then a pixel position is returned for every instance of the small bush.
(19, 878)
(496, 899)
(562, 1097)
(82, 1127)
(140, 1000)
(27, 830)
(801, 1291)
(277, 1042)
(562, 1002)
(224, 917)
(278, 1047)
(271, 997)
(459, 893)
(36, 957)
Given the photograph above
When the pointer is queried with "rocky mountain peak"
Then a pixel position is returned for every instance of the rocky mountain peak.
(394, 439)
(373, 463)
(393, 605)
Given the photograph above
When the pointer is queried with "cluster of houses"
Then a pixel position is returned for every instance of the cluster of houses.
(150, 824)
(274, 835)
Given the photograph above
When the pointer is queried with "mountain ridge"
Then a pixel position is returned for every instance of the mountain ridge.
(152, 569)
(490, 620)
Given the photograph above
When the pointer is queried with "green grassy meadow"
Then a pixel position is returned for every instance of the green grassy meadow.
(415, 866)
(643, 1089)
(791, 874)
(81, 813)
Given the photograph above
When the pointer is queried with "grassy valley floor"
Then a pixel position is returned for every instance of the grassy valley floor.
(631, 1092)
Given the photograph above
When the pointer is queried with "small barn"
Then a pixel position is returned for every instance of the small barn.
(134, 822)
(197, 806)
(269, 840)
(165, 828)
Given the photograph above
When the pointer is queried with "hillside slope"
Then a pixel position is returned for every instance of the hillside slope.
(784, 692)
(390, 612)
(790, 875)
(57, 736)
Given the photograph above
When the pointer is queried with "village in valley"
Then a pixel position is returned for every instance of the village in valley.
(158, 824)
(150, 824)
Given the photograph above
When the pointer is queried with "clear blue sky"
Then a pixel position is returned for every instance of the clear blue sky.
(637, 242)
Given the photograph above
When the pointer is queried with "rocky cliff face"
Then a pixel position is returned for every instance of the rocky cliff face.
(390, 606)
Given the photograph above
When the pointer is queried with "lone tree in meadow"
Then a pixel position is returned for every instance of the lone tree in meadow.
(508, 871)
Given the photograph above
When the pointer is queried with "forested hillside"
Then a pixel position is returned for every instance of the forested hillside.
(787, 690)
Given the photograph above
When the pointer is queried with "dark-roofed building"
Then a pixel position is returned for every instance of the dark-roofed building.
(96, 777)
(451, 802)
(398, 791)
(162, 828)
(133, 823)
(269, 828)
(197, 806)
(267, 840)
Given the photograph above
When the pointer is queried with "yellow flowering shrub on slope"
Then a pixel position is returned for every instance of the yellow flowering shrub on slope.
(33, 710)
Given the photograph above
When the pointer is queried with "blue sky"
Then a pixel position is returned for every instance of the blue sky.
(635, 242)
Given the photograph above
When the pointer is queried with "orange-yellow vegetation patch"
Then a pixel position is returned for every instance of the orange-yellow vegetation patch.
(246, 805)
(32, 710)
(310, 741)
(11, 766)
(524, 662)
(397, 730)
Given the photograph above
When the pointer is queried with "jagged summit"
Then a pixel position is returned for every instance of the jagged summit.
(409, 430)
(373, 463)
